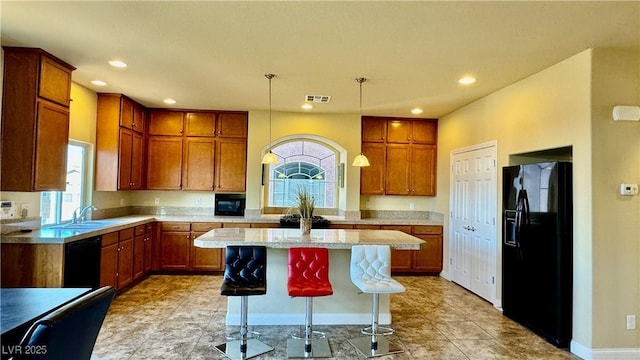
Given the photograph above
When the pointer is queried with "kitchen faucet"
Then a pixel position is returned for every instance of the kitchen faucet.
(80, 215)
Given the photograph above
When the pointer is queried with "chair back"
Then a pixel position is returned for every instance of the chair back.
(71, 331)
(245, 271)
(370, 262)
(308, 272)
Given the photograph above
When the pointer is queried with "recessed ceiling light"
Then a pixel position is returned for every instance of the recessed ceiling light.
(416, 111)
(169, 101)
(467, 80)
(98, 82)
(117, 63)
(307, 106)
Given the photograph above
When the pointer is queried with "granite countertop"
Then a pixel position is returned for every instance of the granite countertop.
(286, 238)
(62, 235)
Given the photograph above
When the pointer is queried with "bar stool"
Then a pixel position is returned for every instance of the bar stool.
(371, 273)
(308, 276)
(244, 276)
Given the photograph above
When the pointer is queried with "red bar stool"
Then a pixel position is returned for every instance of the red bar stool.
(371, 273)
(245, 274)
(308, 276)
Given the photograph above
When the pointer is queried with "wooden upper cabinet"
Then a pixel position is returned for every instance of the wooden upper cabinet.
(408, 166)
(231, 165)
(198, 170)
(422, 170)
(415, 131)
(55, 81)
(399, 131)
(35, 120)
(126, 113)
(52, 138)
(200, 124)
(232, 124)
(138, 120)
(164, 163)
(119, 146)
(424, 131)
(397, 174)
(374, 129)
(166, 122)
(372, 177)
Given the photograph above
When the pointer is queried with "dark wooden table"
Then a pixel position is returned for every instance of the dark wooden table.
(21, 307)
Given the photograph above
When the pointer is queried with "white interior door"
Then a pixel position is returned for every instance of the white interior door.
(473, 237)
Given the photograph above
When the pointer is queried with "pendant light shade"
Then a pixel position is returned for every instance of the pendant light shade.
(269, 157)
(361, 160)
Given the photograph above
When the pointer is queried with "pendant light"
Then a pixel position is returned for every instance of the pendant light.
(269, 157)
(361, 160)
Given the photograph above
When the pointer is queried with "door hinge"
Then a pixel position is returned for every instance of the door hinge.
(450, 261)
(451, 214)
(494, 220)
(493, 280)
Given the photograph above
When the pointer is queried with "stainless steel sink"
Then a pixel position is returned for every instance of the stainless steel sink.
(86, 225)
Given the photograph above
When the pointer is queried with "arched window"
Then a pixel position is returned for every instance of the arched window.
(303, 163)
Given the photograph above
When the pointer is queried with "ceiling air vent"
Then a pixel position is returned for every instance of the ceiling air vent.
(318, 98)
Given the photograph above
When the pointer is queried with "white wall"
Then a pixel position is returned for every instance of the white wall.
(569, 104)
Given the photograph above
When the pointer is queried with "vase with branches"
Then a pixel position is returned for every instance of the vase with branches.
(304, 207)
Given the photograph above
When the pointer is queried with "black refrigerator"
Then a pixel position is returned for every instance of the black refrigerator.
(537, 248)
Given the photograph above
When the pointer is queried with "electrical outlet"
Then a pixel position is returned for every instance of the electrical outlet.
(631, 322)
(121, 202)
(412, 206)
(366, 205)
(198, 201)
(156, 201)
(24, 210)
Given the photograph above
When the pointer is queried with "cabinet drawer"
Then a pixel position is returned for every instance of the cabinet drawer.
(404, 228)
(149, 227)
(109, 239)
(427, 229)
(126, 234)
(204, 226)
(139, 230)
(176, 226)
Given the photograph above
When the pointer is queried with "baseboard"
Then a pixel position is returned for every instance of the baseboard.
(445, 274)
(604, 354)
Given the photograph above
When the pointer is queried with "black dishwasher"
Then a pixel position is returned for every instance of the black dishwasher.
(82, 263)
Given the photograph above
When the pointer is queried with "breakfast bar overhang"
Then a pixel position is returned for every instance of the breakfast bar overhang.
(345, 306)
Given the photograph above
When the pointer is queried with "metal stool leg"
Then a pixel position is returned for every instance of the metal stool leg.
(375, 328)
(309, 346)
(375, 344)
(243, 348)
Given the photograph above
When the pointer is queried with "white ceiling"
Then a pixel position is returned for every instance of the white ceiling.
(213, 55)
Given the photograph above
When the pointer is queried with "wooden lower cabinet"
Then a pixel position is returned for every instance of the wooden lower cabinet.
(138, 251)
(429, 258)
(109, 260)
(175, 246)
(116, 258)
(201, 258)
(177, 251)
(148, 248)
(426, 260)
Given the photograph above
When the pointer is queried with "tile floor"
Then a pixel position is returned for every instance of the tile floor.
(182, 317)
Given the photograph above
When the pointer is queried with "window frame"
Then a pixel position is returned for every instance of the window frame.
(85, 187)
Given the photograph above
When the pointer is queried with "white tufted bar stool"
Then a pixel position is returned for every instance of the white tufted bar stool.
(371, 273)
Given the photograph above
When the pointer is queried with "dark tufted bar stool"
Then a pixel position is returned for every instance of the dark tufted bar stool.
(245, 274)
(308, 276)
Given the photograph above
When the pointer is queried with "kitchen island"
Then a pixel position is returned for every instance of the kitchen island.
(345, 306)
